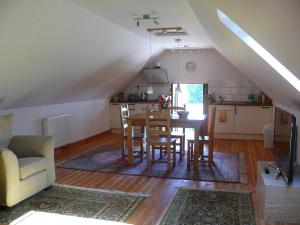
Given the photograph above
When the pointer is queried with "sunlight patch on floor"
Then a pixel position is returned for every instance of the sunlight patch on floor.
(37, 218)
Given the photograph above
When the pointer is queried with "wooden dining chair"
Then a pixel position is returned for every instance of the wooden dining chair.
(179, 134)
(158, 129)
(203, 140)
(136, 136)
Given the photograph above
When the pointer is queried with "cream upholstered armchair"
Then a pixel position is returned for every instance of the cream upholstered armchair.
(26, 164)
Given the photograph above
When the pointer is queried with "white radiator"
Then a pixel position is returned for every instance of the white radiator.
(59, 128)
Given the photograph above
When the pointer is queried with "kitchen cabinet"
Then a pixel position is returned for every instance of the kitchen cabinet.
(245, 120)
(115, 121)
(228, 125)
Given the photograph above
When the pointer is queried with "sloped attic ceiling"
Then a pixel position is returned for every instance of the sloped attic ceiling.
(57, 51)
(272, 23)
(53, 51)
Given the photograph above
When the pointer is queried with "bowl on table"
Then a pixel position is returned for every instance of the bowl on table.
(183, 114)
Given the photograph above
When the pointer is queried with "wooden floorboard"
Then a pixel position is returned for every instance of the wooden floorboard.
(161, 190)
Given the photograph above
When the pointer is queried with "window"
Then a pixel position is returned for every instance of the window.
(255, 46)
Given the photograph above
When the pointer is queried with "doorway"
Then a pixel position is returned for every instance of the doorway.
(194, 97)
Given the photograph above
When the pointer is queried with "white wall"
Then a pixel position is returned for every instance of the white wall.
(211, 67)
(87, 118)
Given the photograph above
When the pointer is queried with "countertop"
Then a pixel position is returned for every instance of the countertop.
(236, 103)
(135, 101)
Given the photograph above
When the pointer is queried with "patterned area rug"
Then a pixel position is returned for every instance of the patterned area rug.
(80, 202)
(195, 207)
(227, 167)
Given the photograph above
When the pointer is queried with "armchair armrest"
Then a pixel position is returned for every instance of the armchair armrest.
(9, 177)
(35, 146)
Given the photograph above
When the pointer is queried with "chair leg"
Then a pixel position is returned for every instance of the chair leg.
(160, 152)
(183, 145)
(201, 150)
(174, 154)
(168, 158)
(192, 150)
(181, 148)
(142, 150)
(210, 153)
(188, 156)
(148, 154)
(153, 153)
(123, 148)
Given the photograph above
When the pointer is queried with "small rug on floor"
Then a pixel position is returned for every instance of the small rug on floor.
(79, 202)
(227, 167)
(193, 207)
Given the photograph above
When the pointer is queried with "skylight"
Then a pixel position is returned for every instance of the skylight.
(255, 46)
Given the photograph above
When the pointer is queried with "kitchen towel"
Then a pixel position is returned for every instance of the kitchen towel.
(222, 116)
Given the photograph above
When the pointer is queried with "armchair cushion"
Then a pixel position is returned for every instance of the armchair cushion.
(35, 146)
(5, 130)
(31, 165)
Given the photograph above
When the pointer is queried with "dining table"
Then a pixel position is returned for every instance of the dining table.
(195, 121)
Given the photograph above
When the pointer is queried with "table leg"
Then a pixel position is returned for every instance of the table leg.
(129, 143)
(196, 148)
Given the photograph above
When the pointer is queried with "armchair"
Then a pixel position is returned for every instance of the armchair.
(26, 166)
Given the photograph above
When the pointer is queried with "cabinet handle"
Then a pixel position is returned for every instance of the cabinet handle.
(115, 104)
(265, 107)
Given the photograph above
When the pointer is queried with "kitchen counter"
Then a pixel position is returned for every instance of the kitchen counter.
(236, 103)
(135, 101)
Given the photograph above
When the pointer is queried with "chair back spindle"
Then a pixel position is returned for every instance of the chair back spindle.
(158, 124)
(124, 114)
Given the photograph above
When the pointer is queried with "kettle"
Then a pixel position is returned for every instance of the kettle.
(144, 96)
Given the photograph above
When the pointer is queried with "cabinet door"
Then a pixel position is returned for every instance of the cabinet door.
(227, 125)
(132, 108)
(247, 120)
(115, 120)
(139, 108)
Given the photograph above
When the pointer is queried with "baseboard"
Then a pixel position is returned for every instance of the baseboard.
(239, 136)
(116, 130)
(83, 141)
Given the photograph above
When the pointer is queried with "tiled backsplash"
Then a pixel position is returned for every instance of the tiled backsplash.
(157, 89)
(232, 90)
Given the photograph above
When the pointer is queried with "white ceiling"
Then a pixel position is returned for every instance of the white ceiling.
(170, 12)
(56, 51)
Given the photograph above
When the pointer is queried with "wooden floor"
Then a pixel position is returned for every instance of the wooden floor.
(161, 190)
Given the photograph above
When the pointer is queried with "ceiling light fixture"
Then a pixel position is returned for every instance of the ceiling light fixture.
(168, 31)
(146, 17)
(150, 88)
(260, 50)
(178, 89)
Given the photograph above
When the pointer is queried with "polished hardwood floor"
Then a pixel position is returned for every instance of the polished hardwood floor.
(161, 190)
